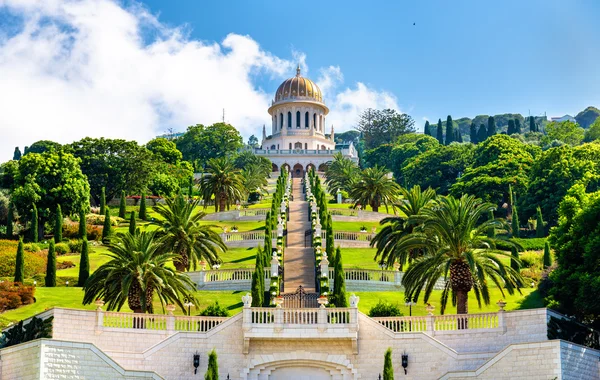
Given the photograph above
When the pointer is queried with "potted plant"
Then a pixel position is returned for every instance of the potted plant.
(363, 229)
(501, 304)
(323, 300)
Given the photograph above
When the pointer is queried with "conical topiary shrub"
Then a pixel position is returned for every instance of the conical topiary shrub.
(388, 368)
(107, 228)
(122, 205)
(20, 263)
(547, 257)
(50, 279)
(212, 372)
(143, 215)
(132, 226)
(58, 224)
(84, 263)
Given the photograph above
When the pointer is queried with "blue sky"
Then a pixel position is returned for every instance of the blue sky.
(462, 57)
(111, 68)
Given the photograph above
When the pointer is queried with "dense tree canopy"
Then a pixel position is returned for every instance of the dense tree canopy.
(566, 131)
(42, 146)
(165, 149)
(593, 132)
(383, 126)
(201, 143)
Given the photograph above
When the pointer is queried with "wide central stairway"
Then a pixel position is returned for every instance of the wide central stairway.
(299, 259)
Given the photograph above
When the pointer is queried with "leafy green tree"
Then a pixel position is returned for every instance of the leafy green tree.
(491, 128)
(383, 126)
(515, 261)
(339, 289)
(84, 263)
(223, 182)
(42, 146)
(498, 162)
(33, 226)
(482, 133)
(8, 174)
(102, 201)
(473, 133)
(374, 188)
(395, 228)
(58, 224)
(212, 372)
(17, 154)
(201, 143)
(107, 228)
(137, 270)
(388, 368)
(182, 233)
(547, 259)
(532, 125)
(122, 205)
(164, 185)
(142, 210)
(20, 263)
(50, 279)
(379, 156)
(409, 146)
(449, 130)
(593, 132)
(566, 131)
(49, 179)
(425, 129)
(114, 164)
(540, 230)
(452, 234)
(165, 149)
(9, 221)
(82, 225)
(253, 142)
(132, 226)
(440, 132)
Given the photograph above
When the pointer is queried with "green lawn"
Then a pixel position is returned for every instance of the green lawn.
(355, 226)
(362, 258)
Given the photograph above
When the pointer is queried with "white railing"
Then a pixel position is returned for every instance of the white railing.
(432, 323)
(303, 316)
(391, 276)
(221, 275)
(254, 211)
(200, 324)
(246, 236)
(135, 321)
(343, 211)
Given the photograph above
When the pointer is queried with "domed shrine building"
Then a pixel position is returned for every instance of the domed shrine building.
(298, 124)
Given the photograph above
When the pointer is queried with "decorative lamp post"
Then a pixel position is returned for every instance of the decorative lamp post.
(408, 302)
(189, 305)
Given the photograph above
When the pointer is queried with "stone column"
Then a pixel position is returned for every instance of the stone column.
(99, 315)
(170, 319)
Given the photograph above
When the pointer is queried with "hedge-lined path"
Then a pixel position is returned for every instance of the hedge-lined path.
(299, 261)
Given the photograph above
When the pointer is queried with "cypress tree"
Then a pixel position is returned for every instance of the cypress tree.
(34, 224)
(84, 263)
(515, 223)
(258, 279)
(473, 133)
(17, 154)
(9, 221)
(491, 129)
(122, 205)
(532, 126)
(511, 127)
(514, 254)
(540, 231)
(107, 229)
(482, 133)
(212, 372)
(191, 189)
(491, 232)
(329, 240)
(268, 240)
(82, 225)
(426, 129)
(142, 211)
(20, 263)
(518, 126)
(50, 280)
(339, 282)
(388, 369)
(440, 132)
(58, 224)
(547, 258)
(459, 136)
(449, 130)
(132, 223)
(102, 200)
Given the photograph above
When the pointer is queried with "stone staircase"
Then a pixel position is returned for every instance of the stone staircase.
(299, 260)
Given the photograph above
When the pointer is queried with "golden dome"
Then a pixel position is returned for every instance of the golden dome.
(298, 88)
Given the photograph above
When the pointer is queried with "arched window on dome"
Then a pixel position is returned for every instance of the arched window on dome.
(323, 147)
(273, 146)
(315, 121)
(289, 124)
(321, 123)
(298, 145)
(306, 122)
(297, 119)
(280, 121)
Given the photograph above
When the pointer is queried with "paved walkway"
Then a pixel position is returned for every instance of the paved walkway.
(299, 261)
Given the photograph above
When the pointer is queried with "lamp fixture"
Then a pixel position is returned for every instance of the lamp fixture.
(405, 362)
(196, 362)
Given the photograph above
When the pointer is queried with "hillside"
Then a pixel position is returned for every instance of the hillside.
(586, 117)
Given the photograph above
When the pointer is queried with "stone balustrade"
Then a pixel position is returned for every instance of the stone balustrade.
(226, 279)
(436, 324)
(157, 322)
(374, 280)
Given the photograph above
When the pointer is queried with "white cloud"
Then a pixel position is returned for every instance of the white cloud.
(89, 68)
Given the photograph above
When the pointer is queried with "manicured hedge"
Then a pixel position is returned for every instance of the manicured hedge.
(533, 244)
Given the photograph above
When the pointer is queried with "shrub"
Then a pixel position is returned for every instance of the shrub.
(70, 230)
(75, 246)
(61, 248)
(531, 260)
(13, 295)
(385, 309)
(65, 265)
(32, 247)
(533, 244)
(34, 262)
(215, 310)
(98, 220)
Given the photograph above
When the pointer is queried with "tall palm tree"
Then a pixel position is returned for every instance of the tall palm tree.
(223, 181)
(341, 173)
(254, 179)
(453, 234)
(182, 234)
(137, 270)
(375, 188)
(397, 227)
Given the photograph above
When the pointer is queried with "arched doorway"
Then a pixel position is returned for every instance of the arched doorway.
(309, 167)
(274, 167)
(298, 171)
(322, 167)
(305, 365)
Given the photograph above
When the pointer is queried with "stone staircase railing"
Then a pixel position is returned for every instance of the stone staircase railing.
(432, 324)
(168, 323)
(374, 279)
(226, 279)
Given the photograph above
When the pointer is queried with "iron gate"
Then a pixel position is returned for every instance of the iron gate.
(300, 299)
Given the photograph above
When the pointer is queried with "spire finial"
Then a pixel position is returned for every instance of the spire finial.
(298, 70)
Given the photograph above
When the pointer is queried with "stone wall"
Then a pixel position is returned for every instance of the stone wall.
(578, 362)
(20, 362)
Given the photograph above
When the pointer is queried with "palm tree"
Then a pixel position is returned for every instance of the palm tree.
(254, 179)
(137, 270)
(341, 173)
(223, 181)
(453, 235)
(182, 233)
(375, 188)
(397, 227)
